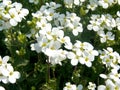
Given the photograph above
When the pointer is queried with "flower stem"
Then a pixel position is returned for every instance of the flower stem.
(48, 70)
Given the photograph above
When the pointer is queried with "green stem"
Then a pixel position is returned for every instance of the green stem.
(48, 70)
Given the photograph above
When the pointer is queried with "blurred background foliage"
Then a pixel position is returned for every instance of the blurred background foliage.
(36, 74)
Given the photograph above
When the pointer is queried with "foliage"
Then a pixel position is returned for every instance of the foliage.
(61, 44)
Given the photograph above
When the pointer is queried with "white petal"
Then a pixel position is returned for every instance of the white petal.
(94, 52)
(80, 87)
(74, 62)
(101, 87)
(105, 5)
(68, 45)
(17, 18)
(16, 74)
(118, 12)
(13, 22)
(24, 12)
(5, 59)
(2, 88)
(10, 68)
(12, 79)
(32, 47)
(103, 40)
(82, 60)
(89, 27)
(118, 27)
(71, 55)
(37, 48)
(89, 64)
(5, 72)
(75, 32)
(103, 76)
(95, 28)
(5, 80)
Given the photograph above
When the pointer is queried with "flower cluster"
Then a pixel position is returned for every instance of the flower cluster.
(7, 73)
(82, 53)
(11, 14)
(50, 37)
(101, 24)
(61, 32)
(112, 81)
(105, 4)
(48, 29)
(93, 4)
(49, 41)
(72, 22)
(112, 60)
(42, 17)
(48, 13)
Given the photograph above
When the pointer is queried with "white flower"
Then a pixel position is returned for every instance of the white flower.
(49, 14)
(91, 86)
(14, 18)
(74, 58)
(114, 75)
(110, 58)
(46, 30)
(82, 53)
(87, 59)
(23, 12)
(11, 13)
(109, 85)
(76, 29)
(12, 75)
(42, 23)
(94, 23)
(70, 86)
(107, 36)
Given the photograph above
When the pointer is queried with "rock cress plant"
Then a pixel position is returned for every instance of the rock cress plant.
(69, 44)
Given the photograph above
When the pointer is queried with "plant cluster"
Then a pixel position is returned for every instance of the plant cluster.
(60, 45)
